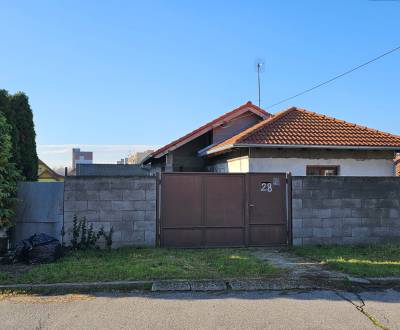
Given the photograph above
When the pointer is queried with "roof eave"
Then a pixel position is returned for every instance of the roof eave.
(294, 146)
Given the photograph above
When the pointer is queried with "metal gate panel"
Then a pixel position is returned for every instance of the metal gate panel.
(214, 209)
(267, 209)
(224, 200)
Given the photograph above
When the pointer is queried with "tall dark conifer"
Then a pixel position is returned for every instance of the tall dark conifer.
(8, 112)
(27, 158)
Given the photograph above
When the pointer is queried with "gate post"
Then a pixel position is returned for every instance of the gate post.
(289, 208)
(158, 209)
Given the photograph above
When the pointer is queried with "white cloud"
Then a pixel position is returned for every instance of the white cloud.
(61, 155)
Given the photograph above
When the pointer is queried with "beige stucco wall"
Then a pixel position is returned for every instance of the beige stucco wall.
(235, 165)
(348, 167)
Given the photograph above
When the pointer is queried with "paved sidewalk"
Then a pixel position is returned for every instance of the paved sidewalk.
(299, 268)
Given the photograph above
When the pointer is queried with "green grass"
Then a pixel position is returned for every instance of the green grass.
(371, 260)
(145, 264)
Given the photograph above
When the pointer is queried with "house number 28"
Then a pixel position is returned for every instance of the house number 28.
(266, 186)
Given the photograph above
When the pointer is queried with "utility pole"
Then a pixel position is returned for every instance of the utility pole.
(259, 68)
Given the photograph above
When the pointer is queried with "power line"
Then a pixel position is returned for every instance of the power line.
(334, 78)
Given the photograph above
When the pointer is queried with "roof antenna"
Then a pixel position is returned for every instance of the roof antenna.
(260, 69)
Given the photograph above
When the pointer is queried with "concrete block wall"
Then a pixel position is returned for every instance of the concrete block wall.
(128, 204)
(345, 210)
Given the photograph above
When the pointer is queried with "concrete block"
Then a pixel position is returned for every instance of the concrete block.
(331, 222)
(370, 222)
(297, 241)
(303, 213)
(297, 223)
(110, 215)
(392, 223)
(312, 223)
(97, 225)
(144, 185)
(305, 232)
(75, 205)
(297, 203)
(322, 232)
(123, 226)
(321, 213)
(151, 195)
(394, 214)
(322, 194)
(124, 205)
(150, 206)
(150, 238)
(341, 213)
(99, 205)
(301, 193)
(341, 193)
(381, 203)
(81, 195)
(332, 203)
(138, 237)
(133, 215)
(97, 184)
(120, 184)
(117, 236)
(73, 184)
(360, 232)
(134, 195)
(351, 203)
(127, 235)
(144, 225)
(297, 184)
(150, 216)
(111, 195)
(381, 231)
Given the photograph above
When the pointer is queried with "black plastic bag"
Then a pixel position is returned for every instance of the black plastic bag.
(39, 248)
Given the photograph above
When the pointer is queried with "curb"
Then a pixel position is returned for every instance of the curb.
(271, 284)
(79, 287)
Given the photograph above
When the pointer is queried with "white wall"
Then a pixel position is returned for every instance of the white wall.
(348, 167)
(236, 165)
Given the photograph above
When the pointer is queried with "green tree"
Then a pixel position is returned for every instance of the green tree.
(5, 108)
(25, 141)
(9, 175)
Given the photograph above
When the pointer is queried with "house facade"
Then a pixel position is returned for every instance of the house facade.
(46, 174)
(182, 155)
(294, 140)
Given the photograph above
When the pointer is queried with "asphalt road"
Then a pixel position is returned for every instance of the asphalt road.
(240, 310)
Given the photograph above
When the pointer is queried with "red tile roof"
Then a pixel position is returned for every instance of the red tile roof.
(209, 125)
(304, 128)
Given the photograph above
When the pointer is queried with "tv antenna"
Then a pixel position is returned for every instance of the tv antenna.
(260, 69)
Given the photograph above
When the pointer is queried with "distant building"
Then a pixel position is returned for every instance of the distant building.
(137, 157)
(81, 157)
(122, 161)
(46, 174)
(110, 170)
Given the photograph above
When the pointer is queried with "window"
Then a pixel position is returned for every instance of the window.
(322, 170)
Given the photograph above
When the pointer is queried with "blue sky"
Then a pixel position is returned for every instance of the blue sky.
(146, 72)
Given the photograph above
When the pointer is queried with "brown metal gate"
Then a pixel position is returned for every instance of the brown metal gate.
(214, 209)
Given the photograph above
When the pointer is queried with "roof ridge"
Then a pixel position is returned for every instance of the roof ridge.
(263, 123)
(248, 104)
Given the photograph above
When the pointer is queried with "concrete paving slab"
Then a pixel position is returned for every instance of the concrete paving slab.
(207, 285)
(170, 286)
(270, 284)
